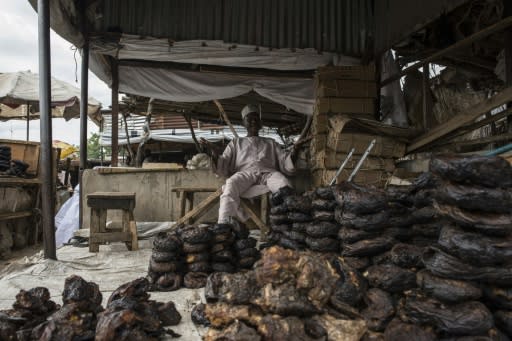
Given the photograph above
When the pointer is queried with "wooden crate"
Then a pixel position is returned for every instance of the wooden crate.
(317, 144)
(358, 72)
(384, 146)
(25, 151)
(361, 107)
(346, 88)
(367, 177)
(328, 159)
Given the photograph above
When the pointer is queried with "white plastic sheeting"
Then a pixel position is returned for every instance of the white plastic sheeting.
(67, 219)
(216, 52)
(189, 86)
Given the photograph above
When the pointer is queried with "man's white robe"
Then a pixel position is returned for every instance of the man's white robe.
(246, 162)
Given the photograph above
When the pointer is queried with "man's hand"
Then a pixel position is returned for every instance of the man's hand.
(296, 147)
(211, 149)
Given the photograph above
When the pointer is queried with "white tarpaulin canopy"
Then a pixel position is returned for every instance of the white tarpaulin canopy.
(17, 89)
(297, 94)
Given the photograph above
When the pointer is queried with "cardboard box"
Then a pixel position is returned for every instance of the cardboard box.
(317, 144)
(328, 159)
(319, 123)
(364, 177)
(358, 72)
(346, 88)
(384, 147)
(346, 106)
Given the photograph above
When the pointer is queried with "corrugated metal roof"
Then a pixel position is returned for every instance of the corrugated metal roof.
(327, 25)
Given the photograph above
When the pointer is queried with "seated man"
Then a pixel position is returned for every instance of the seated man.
(249, 161)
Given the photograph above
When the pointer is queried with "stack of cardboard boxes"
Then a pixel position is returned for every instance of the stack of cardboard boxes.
(345, 94)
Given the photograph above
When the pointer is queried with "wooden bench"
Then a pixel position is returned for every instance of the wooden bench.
(100, 202)
(187, 216)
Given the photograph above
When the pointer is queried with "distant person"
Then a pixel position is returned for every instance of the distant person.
(248, 161)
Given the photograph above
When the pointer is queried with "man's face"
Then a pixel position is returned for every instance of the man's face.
(252, 122)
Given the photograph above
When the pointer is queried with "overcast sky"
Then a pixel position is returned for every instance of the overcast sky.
(19, 52)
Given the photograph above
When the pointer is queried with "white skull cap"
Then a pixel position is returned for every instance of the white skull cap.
(249, 108)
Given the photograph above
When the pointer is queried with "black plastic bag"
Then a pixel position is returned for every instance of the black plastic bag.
(323, 215)
(323, 205)
(399, 331)
(444, 265)
(379, 309)
(406, 255)
(368, 222)
(400, 194)
(489, 223)
(352, 286)
(425, 180)
(390, 277)
(488, 171)
(279, 219)
(447, 290)
(325, 193)
(359, 199)
(500, 298)
(349, 235)
(473, 197)
(367, 247)
(468, 318)
(503, 321)
(298, 203)
(322, 229)
(428, 230)
(299, 217)
(475, 248)
(325, 244)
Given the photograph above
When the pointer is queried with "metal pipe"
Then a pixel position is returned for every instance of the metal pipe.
(28, 119)
(84, 95)
(360, 163)
(341, 167)
(48, 181)
(115, 113)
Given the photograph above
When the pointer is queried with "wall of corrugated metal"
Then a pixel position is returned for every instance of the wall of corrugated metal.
(326, 25)
(396, 19)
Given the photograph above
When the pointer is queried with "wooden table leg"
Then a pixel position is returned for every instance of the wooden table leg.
(190, 199)
(182, 197)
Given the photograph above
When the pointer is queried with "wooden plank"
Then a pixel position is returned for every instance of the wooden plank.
(11, 180)
(500, 25)
(254, 217)
(194, 189)
(484, 140)
(110, 237)
(15, 215)
(199, 209)
(462, 119)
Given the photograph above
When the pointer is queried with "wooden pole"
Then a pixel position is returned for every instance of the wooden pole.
(47, 162)
(225, 117)
(115, 113)
(27, 106)
(189, 122)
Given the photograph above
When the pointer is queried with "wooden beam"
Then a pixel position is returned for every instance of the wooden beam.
(500, 25)
(462, 119)
(476, 125)
(15, 215)
(199, 209)
(484, 140)
(114, 66)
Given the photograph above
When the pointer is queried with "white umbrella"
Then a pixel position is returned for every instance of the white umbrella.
(22, 88)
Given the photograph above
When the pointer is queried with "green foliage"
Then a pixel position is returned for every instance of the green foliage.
(94, 147)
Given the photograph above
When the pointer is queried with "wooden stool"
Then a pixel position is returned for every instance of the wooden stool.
(100, 202)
